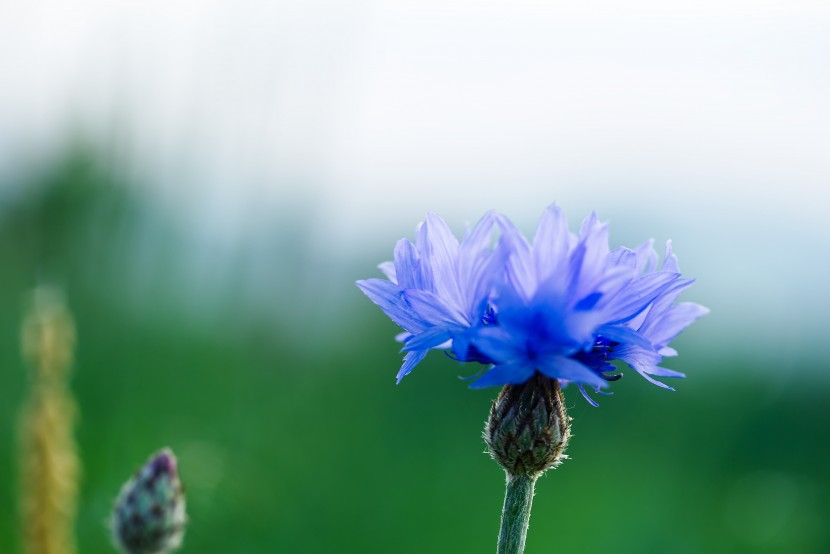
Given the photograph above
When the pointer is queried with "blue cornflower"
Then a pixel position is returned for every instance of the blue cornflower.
(563, 305)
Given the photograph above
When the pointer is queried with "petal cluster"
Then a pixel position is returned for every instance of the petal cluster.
(561, 304)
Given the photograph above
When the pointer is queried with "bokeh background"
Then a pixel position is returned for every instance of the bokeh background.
(206, 180)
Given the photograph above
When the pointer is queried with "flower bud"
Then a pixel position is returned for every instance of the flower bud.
(528, 428)
(149, 515)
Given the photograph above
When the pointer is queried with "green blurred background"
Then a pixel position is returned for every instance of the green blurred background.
(293, 437)
(206, 180)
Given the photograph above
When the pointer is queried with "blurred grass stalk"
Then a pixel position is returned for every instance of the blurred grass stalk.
(49, 464)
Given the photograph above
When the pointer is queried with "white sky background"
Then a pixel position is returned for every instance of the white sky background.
(704, 121)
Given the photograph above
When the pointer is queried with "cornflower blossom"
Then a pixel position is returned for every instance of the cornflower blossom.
(563, 305)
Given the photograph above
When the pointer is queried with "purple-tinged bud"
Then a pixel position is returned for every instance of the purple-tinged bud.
(528, 428)
(149, 514)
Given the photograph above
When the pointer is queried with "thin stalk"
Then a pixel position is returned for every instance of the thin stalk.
(515, 514)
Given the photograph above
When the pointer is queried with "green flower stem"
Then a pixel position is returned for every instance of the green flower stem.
(515, 515)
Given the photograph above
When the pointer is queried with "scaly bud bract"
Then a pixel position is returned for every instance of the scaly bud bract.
(528, 428)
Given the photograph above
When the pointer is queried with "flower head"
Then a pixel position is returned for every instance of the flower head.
(562, 305)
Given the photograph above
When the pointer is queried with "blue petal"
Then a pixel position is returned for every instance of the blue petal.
(479, 266)
(670, 324)
(653, 381)
(480, 236)
(388, 269)
(636, 356)
(504, 374)
(411, 359)
(645, 363)
(408, 266)
(664, 372)
(460, 346)
(439, 249)
(646, 257)
(623, 256)
(551, 243)
(498, 344)
(562, 367)
(519, 269)
(588, 302)
(594, 234)
(661, 305)
(432, 309)
(431, 338)
(388, 297)
(670, 260)
(625, 335)
(590, 400)
(635, 297)
(589, 257)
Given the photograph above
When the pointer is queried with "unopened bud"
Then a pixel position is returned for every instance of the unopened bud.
(149, 515)
(528, 428)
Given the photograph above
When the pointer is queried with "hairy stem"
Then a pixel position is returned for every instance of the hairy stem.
(515, 515)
